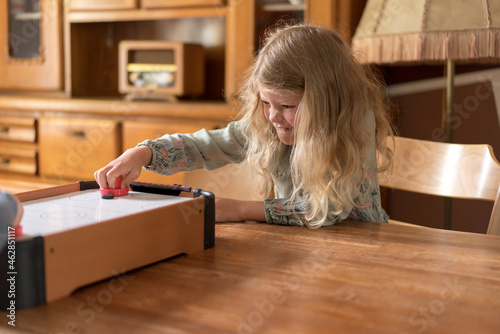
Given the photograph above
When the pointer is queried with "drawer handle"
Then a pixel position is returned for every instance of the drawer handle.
(4, 129)
(4, 160)
(76, 133)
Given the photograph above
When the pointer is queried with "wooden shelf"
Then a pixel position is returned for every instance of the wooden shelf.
(284, 7)
(118, 108)
(145, 14)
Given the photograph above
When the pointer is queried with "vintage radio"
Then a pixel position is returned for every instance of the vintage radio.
(160, 69)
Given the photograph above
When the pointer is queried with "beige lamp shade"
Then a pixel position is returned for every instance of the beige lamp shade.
(394, 31)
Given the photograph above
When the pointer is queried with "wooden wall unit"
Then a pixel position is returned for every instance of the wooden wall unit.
(73, 86)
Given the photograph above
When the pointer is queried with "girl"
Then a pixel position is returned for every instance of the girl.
(312, 122)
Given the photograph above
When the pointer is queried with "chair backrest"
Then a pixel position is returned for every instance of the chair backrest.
(494, 226)
(232, 181)
(468, 171)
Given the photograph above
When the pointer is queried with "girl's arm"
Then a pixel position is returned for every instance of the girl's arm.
(234, 210)
(200, 150)
(284, 211)
(175, 153)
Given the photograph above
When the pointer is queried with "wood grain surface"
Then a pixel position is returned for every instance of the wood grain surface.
(350, 278)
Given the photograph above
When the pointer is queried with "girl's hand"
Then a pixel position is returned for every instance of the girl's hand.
(128, 165)
(233, 210)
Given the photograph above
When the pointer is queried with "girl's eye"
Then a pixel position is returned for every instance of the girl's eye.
(288, 107)
(265, 103)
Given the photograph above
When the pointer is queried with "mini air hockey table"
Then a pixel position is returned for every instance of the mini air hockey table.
(72, 237)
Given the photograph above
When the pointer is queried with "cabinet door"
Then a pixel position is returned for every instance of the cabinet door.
(73, 149)
(102, 4)
(31, 45)
(179, 3)
(136, 132)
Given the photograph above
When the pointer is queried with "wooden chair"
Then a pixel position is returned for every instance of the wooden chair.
(468, 171)
(232, 181)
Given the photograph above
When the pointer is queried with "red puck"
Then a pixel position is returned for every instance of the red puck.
(118, 191)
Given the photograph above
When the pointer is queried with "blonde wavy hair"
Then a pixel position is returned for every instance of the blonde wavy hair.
(329, 158)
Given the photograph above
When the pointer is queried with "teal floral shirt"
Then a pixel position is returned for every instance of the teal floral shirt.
(216, 148)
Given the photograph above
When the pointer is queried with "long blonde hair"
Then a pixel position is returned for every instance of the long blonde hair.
(329, 157)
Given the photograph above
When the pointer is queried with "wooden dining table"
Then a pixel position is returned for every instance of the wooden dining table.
(353, 277)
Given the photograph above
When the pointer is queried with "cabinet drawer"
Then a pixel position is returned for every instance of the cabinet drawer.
(71, 148)
(136, 132)
(179, 3)
(102, 4)
(17, 158)
(21, 129)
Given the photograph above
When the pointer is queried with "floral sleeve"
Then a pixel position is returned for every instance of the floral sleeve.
(370, 207)
(204, 149)
(285, 212)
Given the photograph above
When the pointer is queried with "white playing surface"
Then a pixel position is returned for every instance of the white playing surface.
(59, 213)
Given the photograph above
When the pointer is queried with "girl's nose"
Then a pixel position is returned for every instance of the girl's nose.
(275, 115)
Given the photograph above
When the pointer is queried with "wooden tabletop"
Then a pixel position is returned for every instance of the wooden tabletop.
(259, 278)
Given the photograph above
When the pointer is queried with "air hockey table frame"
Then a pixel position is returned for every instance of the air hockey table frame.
(53, 266)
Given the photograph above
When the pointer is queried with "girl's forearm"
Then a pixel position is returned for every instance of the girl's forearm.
(234, 210)
(253, 210)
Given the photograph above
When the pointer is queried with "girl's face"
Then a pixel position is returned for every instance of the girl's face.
(280, 109)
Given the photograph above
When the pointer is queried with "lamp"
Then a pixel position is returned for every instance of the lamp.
(430, 31)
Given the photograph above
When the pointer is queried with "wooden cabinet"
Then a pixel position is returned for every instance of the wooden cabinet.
(135, 132)
(18, 151)
(77, 55)
(31, 45)
(74, 148)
